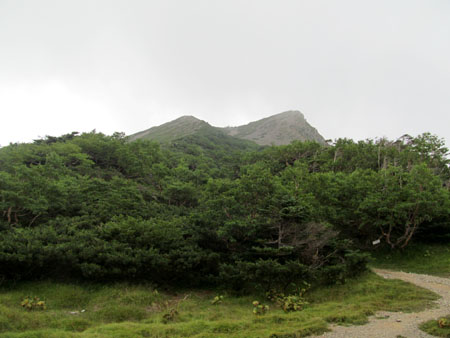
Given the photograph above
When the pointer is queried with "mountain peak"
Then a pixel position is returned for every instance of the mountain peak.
(290, 113)
(182, 126)
(282, 128)
(187, 118)
(278, 129)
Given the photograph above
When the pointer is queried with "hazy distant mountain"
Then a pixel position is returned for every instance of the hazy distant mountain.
(277, 129)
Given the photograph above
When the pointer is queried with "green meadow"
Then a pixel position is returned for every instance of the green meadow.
(126, 310)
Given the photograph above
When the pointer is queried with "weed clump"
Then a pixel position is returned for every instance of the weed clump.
(217, 300)
(33, 303)
(259, 309)
(439, 327)
(290, 303)
(170, 316)
(444, 323)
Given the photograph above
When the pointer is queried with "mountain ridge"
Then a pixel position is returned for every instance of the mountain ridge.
(279, 129)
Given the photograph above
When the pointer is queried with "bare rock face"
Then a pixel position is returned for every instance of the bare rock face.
(277, 129)
(274, 130)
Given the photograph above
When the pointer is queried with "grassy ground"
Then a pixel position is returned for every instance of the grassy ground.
(123, 310)
(427, 259)
(432, 327)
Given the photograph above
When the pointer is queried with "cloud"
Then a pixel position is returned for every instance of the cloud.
(356, 69)
(49, 109)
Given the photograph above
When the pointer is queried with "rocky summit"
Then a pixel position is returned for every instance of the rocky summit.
(278, 129)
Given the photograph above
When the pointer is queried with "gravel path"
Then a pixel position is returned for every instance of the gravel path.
(398, 323)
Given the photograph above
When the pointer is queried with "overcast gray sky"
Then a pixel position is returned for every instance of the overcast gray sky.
(355, 68)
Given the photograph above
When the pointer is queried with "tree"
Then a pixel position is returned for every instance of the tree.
(402, 201)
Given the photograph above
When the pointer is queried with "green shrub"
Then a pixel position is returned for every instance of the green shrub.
(170, 316)
(33, 303)
(217, 300)
(290, 303)
(293, 303)
(259, 309)
(444, 323)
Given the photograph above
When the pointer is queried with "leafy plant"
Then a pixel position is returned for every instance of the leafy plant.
(444, 323)
(33, 303)
(170, 316)
(290, 303)
(217, 300)
(172, 312)
(259, 309)
(293, 303)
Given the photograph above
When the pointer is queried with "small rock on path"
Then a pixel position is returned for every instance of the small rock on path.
(398, 323)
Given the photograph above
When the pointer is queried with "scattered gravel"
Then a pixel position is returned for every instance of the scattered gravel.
(393, 324)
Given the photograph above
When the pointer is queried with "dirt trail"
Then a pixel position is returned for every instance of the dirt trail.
(398, 323)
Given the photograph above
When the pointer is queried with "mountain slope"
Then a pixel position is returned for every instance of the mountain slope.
(183, 126)
(212, 147)
(277, 129)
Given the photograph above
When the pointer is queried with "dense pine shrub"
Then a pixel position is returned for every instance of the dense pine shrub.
(199, 212)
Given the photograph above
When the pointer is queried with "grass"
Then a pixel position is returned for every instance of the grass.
(432, 327)
(124, 310)
(426, 259)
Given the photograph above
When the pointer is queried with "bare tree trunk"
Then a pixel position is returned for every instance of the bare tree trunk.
(384, 162)
(411, 233)
(9, 214)
(379, 157)
(387, 235)
(34, 218)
